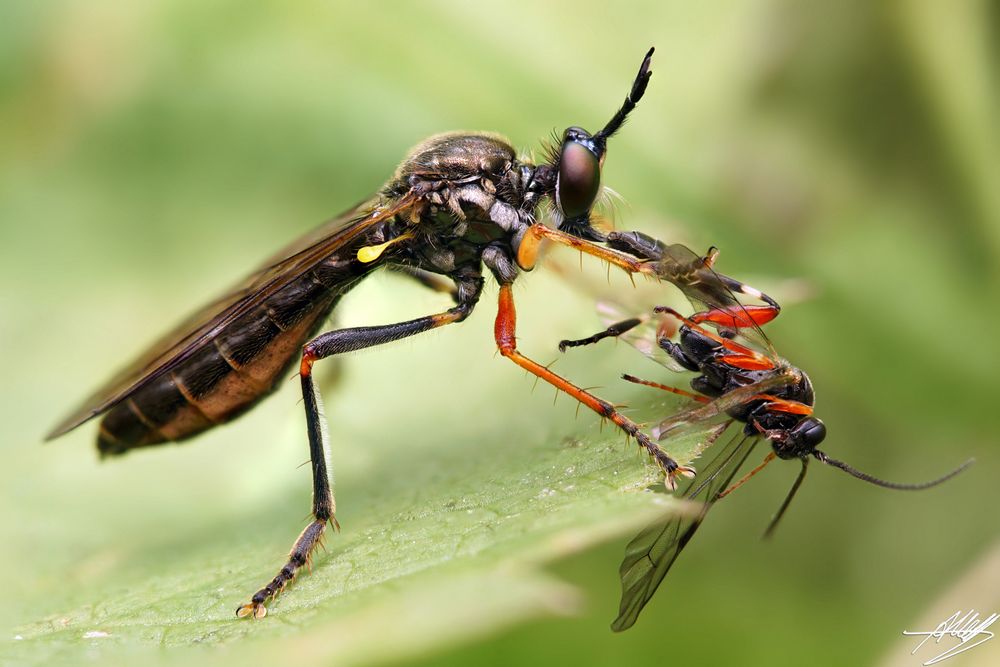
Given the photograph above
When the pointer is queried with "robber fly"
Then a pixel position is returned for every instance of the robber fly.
(739, 378)
(458, 202)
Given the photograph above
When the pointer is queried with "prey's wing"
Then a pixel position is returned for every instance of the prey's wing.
(645, 335)
(687, 270)
(650, 555)
(702, 412)
(696, 278)
(706, 288)
(278, 272)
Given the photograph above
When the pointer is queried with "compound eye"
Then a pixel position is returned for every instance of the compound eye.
(812, 432)
(579, 179)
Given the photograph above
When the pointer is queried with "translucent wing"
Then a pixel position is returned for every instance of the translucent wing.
(703, 285)
(645, 334)
(696, 278)
(688, 271)
(701, 412)
(292, 262)
(650, 555)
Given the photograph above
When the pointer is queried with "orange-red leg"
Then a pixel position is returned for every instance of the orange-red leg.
(775, 404)
(505, 335)
(767, 459)
(664, 387)
(741, 357)
(737, 317)
(527, 250)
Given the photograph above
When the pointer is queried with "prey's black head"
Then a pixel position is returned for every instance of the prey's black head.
(802, 441)
(799, 441)
(579, 159)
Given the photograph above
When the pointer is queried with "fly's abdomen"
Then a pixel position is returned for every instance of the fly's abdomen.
(226, 376)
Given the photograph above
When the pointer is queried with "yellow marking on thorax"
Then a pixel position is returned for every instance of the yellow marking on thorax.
(370, 253)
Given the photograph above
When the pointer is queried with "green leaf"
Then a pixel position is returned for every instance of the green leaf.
(447, 526)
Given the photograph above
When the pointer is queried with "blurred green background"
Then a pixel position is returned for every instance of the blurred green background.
(843, 155)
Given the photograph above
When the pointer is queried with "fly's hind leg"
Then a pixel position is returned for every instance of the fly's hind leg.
(327, 345)
(323, 505)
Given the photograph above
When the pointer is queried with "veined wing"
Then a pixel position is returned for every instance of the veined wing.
(687, 270)
(705, 287)
(696, 278)
(651, 554)
(644, 334)
(704, 411)
(278, 272)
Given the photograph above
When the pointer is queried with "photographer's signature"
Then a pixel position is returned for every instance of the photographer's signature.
(968, 628)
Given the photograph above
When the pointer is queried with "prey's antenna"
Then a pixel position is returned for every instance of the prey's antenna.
(788, 500)
(638, 88)
(865, 477)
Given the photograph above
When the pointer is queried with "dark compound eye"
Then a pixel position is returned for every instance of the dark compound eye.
(579, 179)
(810, 432)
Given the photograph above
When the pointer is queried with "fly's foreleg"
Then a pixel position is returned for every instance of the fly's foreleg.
(323, 505)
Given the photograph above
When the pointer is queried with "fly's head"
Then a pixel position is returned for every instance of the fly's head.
(577, 163)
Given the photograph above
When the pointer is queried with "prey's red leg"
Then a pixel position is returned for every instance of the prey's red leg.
(664, 387)
(737, 317)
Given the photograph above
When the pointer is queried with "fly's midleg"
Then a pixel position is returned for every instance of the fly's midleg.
(505, 332)
(323, 505)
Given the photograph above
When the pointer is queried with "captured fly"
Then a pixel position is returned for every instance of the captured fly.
(458, 202)
(739, 378)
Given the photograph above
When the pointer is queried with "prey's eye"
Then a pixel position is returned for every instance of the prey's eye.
(804, 438)
(579, 179)
(813, 431)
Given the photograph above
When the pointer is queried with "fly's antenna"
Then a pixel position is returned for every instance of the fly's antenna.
(638, 88)
(865, 477)
(788, 500)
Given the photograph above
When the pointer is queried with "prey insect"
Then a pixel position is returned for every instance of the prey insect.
(740, 379)
(457, 202)
(696, 278)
